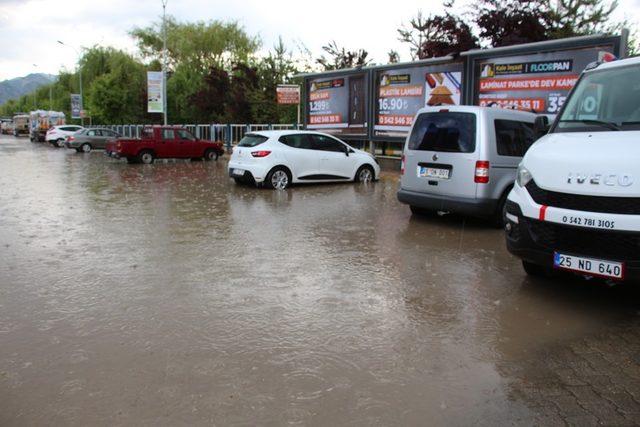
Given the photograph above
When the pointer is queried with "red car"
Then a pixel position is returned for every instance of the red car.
(163, 142)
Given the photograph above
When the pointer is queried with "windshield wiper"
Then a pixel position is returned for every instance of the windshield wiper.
(608, 125)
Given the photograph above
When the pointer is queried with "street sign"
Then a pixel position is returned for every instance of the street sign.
(76, 106)
(288, 94)
(155, 103)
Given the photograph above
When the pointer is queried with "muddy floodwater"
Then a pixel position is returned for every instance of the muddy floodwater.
(166, 294)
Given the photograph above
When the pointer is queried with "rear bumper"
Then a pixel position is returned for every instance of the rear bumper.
(253, 172)
(466, 206)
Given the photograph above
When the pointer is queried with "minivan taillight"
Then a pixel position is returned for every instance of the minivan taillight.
(482, 172)
(402, 166)
(261, 153)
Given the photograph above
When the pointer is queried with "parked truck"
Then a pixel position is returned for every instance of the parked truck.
(20, 124)
(163, 142)
(41, 121)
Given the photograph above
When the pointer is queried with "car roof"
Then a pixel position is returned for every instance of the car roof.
(279, 133)
(476, 109)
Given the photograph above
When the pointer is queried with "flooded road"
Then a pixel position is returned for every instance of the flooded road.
(167, 295)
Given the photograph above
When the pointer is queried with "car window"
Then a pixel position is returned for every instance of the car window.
(147, 133)
(185, 135)
(168, 134)
(513, 138)
(92, 133)
(251, 140)
(325, 143)
(444, 131)
(300, 140)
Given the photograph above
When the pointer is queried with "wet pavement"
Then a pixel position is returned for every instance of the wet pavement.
(167, 295)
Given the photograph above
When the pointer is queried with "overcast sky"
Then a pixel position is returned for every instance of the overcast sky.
(29, 29)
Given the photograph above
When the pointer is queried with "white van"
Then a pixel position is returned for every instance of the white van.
(576, 203)
(464, 159)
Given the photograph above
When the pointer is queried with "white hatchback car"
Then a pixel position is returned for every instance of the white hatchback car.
(57, 134)
(280, 158)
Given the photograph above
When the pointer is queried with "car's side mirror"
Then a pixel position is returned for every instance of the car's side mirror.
(541, 126)
(347, 150)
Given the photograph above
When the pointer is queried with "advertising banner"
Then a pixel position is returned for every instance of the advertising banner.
(76, 106)
(537, 82)
(288, 94)
(338, 105)
(155, 103)
(401, 92)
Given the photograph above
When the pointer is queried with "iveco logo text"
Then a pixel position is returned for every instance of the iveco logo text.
(600, 179)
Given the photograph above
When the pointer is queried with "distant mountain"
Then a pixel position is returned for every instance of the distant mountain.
(15, 88)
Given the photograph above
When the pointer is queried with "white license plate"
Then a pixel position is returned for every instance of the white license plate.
(426, 172)
(590, 266)
(238, 172)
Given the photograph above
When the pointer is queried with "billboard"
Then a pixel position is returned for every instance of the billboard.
(401, 92)
(155, 80)
(338, 104)
(537, 82)
(76, 106)
(288, 94)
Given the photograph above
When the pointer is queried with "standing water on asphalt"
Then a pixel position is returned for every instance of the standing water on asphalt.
(167, 294)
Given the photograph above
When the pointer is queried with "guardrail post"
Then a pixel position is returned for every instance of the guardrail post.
(228, 137)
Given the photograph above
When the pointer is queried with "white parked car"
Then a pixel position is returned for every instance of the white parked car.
(279, 158)
(576, 202)
(57, 134)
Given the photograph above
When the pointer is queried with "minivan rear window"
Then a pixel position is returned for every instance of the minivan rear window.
(252, 140)
(444, 131)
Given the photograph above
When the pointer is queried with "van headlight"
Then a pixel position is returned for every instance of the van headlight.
(523, 176)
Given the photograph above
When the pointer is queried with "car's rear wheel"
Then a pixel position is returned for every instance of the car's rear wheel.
(59, 142)
(146, 157)
(278, 178)
(365, 174)
(210, 154)
(86, 148)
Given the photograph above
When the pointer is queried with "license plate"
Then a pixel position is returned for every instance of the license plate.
(426, 172)
(590, 266)
(238, 172)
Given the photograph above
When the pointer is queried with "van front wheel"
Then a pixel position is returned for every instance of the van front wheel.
(419, 211)
(535, 270)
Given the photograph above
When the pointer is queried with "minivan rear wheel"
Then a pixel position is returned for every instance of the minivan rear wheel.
(500, 217)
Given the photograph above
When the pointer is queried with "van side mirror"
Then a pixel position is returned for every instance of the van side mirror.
(541, 126)
(347, 150)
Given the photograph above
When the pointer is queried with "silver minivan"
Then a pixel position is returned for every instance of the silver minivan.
(463, 159)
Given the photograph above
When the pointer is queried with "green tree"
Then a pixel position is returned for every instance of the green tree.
(340, 58)
(201, 44)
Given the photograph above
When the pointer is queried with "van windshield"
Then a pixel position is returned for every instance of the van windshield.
(607, 100)
(444, 131)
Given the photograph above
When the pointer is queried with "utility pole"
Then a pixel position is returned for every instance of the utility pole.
(80, 80)
(35, 93)
(164, 60)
